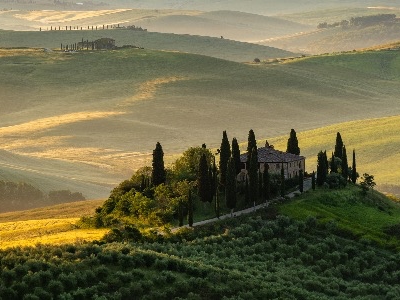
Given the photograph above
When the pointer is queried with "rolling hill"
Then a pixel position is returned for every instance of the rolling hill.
(99, 114)
(209, 46)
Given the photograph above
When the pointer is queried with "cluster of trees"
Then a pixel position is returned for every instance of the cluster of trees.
(361, 21)
(160, 195)
(245, 257)
(19, 196)
(336, 172)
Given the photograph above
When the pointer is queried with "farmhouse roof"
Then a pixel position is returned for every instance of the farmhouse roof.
(270, 155)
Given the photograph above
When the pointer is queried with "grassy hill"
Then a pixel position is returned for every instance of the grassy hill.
(209, 46)
(99, 114)
(337, 39)
(376, 142)
(253, 256)
(48, 225)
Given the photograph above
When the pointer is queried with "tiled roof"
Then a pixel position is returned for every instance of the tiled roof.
(270, 155)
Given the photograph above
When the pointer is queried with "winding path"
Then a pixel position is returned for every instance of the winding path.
(306, 187)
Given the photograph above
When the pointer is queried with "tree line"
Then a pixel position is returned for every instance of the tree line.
(20, 196)
(361, 21)
(198, 179)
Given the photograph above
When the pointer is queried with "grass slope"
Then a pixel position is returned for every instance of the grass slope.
(365, 216)
(99, 114)
(48, 225)
(337, 39)
(209, 46)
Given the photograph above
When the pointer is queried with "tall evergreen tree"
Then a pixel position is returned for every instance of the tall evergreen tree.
(282, 181)
(345, 165)
(301, 181)
(251, 143)
(230, 187)
(338, 146)
(246, 191)
(225, 154)
(326, 163)
(354, 168)
(190, 208)
(253, 177)
(180, 213)
(236, 155)
(321, 168)
(313, 181)
(260, 185)
(333, 164)
(293, 143)
(266, 183)
(204, 182)
(158, 175)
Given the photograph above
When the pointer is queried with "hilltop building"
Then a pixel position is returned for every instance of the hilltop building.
(292, 163)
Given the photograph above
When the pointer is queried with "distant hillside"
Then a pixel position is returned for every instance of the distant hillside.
(84, 121)
(338, 39)
(214, 47)
(232, 25)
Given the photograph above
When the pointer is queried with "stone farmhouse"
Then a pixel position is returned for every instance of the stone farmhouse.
(292, 163)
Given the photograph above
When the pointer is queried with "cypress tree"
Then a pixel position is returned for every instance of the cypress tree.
(246, 191)
(338, 146)
(345, 165)
(266, 183)
(282, 181)
(203, 180)
(293, 143)
(333, 164)
(354, 169)
(180, 213)
(301, 181)
(321, 168)
(313, 181)
(326, 163)
(236, 155)
(260, 185)
(158, 175)
(225, 154)
(190, 208)
(253, 177)
(251, 143)
(230, 187)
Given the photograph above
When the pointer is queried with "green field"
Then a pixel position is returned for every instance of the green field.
(98, 115)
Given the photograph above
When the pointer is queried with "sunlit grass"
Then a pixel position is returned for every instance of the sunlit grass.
(48, 225)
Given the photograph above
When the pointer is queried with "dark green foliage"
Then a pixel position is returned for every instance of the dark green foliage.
(236, 155)
(345, 165)
(253, 176)
(322, 168)
(251, 144)
(158, 175)
(225, 154)
(333, 164)
(293, 144)
(187, 166)
(301, 181)
(367, 183)
(251, 257)
(282, 186)
(204, 181)
(339, 146)
(190, 208)
(313, 181)
(354, 168)
(230, 188)
(266, 183)
(335, 181)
